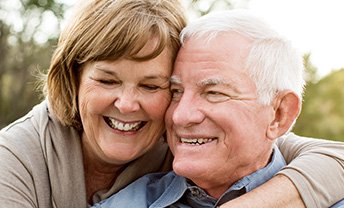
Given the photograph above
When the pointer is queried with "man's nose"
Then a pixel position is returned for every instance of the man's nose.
(188, 111)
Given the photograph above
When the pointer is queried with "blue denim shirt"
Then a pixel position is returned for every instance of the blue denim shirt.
(170, 190)
(339, 204)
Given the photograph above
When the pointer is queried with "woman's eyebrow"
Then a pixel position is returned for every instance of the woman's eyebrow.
(105, 70)
(149, 77)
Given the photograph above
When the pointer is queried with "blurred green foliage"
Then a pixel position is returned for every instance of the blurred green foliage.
(322, 113)
(21, 56)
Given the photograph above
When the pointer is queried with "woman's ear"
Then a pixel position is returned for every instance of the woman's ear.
(287, 106)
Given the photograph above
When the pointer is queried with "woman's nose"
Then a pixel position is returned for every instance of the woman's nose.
(127, 101)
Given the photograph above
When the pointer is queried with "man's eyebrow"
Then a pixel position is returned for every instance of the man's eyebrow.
(175, 80)
(213, 81)
(219, 81)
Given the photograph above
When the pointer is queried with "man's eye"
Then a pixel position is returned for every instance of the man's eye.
(214, 93)
(176, 94)
(215, 96)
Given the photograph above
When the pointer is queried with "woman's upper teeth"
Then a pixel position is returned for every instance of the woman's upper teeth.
(124, 126)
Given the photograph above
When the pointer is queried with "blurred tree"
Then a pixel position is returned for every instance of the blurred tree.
(202, 7)
(197, 8)
(322, 112)
(24, 49)
(36, 16)
(4, 47)
(311, 75)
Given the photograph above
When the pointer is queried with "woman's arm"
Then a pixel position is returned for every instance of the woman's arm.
(316, 167)
(277, 192)
(315, 174)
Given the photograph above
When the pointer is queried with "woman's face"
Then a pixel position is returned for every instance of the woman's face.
(122, 105)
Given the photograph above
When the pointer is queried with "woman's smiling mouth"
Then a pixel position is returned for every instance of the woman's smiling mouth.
(123, 126)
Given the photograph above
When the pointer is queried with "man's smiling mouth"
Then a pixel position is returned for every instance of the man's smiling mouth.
(196, 141)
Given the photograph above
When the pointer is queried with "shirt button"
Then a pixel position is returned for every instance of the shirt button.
(195, 192)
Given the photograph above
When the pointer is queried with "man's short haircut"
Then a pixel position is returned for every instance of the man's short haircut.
(272, 63)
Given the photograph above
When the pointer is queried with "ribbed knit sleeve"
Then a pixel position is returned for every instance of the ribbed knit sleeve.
(316, 167)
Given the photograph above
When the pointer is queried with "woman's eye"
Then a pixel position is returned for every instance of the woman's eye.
(150, 87)
(108, 81)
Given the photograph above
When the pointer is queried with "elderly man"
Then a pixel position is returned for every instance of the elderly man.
(236, 87)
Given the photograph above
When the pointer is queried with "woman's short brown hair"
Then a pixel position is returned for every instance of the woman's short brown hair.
(103, 30)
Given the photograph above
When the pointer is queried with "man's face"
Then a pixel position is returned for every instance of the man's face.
(216, 127)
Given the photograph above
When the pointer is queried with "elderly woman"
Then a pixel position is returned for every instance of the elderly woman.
(101, 125)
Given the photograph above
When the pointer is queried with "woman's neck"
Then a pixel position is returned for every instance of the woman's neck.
(99, 175)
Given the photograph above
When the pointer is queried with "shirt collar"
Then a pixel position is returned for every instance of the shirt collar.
(195, 194)
(262, 175)
(256, 178)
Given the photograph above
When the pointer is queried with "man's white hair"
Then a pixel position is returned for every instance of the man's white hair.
(272, 63)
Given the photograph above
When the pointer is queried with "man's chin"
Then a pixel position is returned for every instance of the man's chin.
(188, 169)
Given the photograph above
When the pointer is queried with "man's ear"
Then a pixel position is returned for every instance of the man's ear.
(286, 107)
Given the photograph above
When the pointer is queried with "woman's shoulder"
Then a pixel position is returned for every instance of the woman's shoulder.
(28, 121)
(31, 135)
(23, 129)
(44, 156)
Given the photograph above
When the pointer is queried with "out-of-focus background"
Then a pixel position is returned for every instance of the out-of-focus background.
(29, 31)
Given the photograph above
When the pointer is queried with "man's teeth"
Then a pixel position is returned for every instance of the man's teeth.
(124, 126)
(195, 141)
